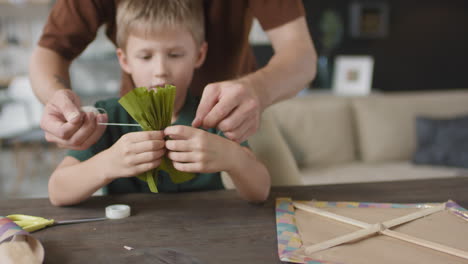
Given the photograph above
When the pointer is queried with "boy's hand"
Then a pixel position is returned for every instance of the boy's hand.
(195, 150)
(135, 153)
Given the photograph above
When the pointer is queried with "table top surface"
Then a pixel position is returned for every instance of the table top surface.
(210, 227)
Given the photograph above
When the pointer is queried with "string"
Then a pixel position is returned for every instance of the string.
(97, 110)
(118, 124)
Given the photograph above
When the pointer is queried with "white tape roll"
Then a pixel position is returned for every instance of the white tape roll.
(117, 211)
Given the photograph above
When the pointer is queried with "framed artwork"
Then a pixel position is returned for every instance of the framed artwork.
(352, 75)
(369, 19)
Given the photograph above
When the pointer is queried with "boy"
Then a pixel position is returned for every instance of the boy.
(160, 42)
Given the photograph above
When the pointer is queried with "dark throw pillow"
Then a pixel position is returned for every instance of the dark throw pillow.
(442, 142)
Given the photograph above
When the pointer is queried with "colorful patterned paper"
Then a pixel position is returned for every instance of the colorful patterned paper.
(8, 229)
(289, 240)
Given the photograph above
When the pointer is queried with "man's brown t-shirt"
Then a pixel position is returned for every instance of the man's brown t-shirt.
(72, 25)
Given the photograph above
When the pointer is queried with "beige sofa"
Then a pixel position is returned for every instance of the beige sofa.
(327, 139)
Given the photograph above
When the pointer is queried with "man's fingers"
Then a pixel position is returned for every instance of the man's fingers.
(84, 133)
(78, 137)
(251, 129)
(68, 104)
(236, 118)
(60, 142)
(243, 131)
(221, 110)
(209, 99)
(97, 133)
(63, 131)
(53, 123)
(242, 136)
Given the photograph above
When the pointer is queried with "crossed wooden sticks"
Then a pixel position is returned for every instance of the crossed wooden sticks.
(379, 228)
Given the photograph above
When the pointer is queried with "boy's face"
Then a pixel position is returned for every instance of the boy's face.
(167, 56)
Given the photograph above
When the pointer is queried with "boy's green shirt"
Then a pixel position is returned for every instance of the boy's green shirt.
(117, 114)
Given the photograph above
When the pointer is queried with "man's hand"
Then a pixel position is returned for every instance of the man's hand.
(66, 125)
(135, 153)
(231, 106)
(195, 150)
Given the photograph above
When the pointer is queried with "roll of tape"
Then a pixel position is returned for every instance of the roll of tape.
(117, 211)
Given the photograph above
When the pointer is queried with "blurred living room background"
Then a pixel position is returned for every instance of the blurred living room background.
(413, 46)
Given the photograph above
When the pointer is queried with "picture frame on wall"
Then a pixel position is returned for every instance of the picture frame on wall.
(369, 19)
(352, 74)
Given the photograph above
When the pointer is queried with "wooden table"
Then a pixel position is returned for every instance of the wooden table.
(213, 227)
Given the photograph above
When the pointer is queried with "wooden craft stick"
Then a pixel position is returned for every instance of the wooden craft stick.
(426, 243)
(387, 224)
(356, 235)
(413, 216)
(383, 229)
(336, 217)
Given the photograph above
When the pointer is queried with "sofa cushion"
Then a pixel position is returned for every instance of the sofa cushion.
(386, 123)
(270, 148)
(318, 129)
(377, 172)
(442, 141)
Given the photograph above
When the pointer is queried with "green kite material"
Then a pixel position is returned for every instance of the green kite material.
(152, 109)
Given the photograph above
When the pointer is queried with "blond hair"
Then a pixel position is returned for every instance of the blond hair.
(144, 16)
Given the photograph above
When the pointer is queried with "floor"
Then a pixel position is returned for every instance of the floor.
(25, 170)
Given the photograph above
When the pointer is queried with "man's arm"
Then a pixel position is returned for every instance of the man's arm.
(48, 72)
(234, 106)
(292, 67)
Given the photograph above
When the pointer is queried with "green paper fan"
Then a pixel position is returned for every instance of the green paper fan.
(152, 109)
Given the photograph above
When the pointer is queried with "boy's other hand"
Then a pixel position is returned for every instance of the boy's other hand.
(135, 153)
(68, 127)
(195, 150)
(231, 106)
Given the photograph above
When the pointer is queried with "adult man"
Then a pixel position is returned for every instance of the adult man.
(233, 93)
